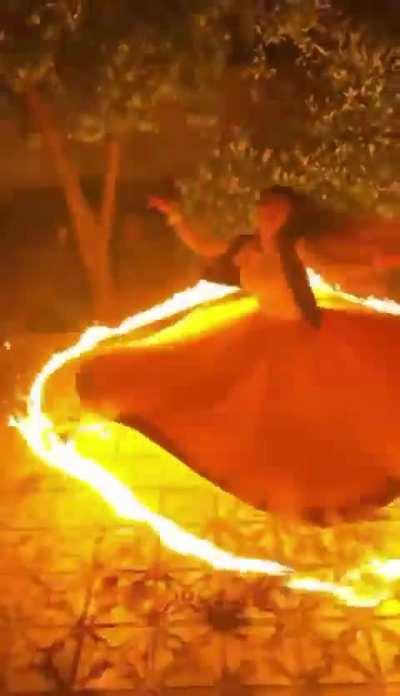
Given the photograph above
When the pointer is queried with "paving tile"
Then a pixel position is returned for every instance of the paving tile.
(38, 659)
(62, 550)
(133, 547)
(91, 602)
(142, 598)
(116, 657)
(186, 656)
(43, 600)
(188, 505)
(77, 507)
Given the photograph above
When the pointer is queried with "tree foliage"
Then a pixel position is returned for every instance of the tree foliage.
(318, 78)
(324, 86)
(109, 64)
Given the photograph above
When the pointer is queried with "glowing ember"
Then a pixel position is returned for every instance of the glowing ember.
(39, 431)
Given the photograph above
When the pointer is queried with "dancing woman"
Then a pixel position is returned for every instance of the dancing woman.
(265, 263)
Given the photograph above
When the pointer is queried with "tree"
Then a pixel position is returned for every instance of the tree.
(316, 83)
(325, 119)
(91, 70)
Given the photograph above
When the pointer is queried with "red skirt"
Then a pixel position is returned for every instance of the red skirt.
(287, 418)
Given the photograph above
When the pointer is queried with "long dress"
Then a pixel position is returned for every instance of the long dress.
(287, 418)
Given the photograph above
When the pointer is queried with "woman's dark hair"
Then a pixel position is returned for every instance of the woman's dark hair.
(307, 217)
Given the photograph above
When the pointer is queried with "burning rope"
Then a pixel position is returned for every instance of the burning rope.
(39, 431)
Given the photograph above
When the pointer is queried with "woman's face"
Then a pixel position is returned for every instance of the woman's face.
(274, 213)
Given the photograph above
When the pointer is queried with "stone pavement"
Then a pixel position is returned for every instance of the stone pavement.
(90, 603)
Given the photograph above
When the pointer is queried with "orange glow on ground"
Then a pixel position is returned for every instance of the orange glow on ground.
(364, 586)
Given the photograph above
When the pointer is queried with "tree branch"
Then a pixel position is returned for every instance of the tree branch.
(110, 184)
(92, 240)
(55, 141)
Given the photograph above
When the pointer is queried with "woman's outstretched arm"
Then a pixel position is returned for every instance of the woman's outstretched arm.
(197, 238)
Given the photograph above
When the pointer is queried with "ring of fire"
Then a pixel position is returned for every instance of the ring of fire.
(39, 431)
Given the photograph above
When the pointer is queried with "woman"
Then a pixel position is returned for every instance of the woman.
(265, 263)
(356, 252)
(288, 419)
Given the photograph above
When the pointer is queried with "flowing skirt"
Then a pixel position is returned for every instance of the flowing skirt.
(291, 419)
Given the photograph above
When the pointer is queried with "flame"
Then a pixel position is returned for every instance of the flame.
(39, 431)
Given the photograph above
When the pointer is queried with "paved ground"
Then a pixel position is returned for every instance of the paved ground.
(88, 603)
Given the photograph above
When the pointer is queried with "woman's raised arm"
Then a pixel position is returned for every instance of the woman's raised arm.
(194, 236)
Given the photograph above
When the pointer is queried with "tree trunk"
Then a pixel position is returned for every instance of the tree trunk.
(92, 232)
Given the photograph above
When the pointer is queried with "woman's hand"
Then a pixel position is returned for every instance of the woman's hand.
(193, 234)
(162, 205)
